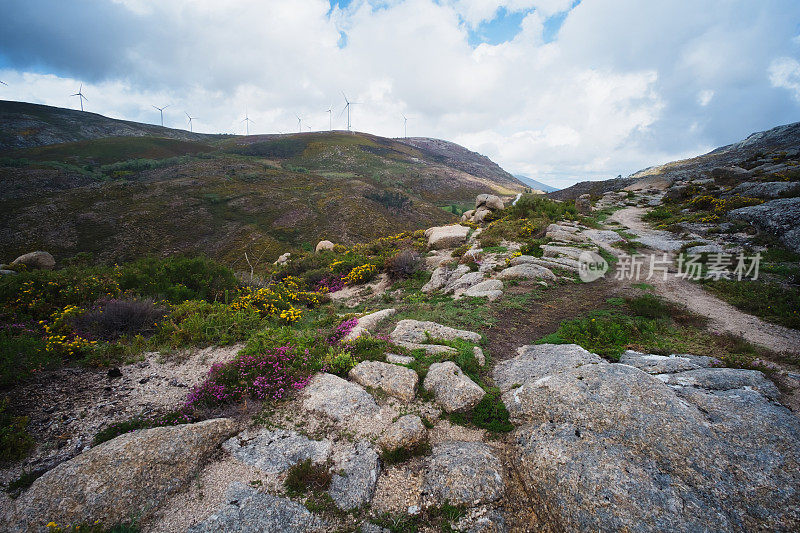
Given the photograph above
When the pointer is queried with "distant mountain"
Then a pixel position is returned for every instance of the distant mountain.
(736, 159)
(122, 189)
(536, 185)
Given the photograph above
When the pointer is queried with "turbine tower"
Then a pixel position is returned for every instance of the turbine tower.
(405, 127)
(330, 117)
(190, 121)
(161, 110)
(79, 94)
(347, 105)
(299, 124)
(247, 122)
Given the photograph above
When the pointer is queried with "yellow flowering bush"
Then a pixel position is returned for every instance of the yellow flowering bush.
(281, 300)
(361, 274)
(59, 337)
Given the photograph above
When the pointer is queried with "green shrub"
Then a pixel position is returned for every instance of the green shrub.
(199, 323)
(22, 355)
(390, 199)
(401, 455)
(649, 306)
(339, 361)
(141, 422)
(178, 279)
(15, 441)
(307, 476)
(533, 206)
(403, 265)
(772, 302)
(112, 319)
(491, 413)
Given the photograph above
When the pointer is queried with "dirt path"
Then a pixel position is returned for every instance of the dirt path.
(722, 316)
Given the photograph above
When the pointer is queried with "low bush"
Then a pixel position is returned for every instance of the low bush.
(177, 279)
(307, 476)
(491, 413)
(403, 265)
(15, 441)
(111, 319)
(142, 422)
(339, 361)
(649, 306)
(22, 355)
(199, 323)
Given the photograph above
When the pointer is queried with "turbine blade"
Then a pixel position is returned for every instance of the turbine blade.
(84, 98)
(345, 97)
(4, 83)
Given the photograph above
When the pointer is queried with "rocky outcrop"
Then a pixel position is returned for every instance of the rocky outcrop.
(443, 275)
(665, 364)
(35, 261)
(485, 205)
(248, 509)
(765, 190)
(583, 204)
(368, 322)
(454, 391)
(125, 477)
(463, 473)
(610, 447)
(407, 432)
(356, 473)
(338, 399)
(527, 271)
(394, 380)
(275, 451)
(416, 331)
(490, 288)
(446, 236)
(780, 217)
(323, 246)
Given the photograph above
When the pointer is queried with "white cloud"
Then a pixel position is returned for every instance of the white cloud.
(617, 90)
(784, 72)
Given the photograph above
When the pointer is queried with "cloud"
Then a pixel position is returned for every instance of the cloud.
(784, 72)
(624, 85)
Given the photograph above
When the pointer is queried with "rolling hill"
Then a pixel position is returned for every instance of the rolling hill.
(121, 190)
(536, 185)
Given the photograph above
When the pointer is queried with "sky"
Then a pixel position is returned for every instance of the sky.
(558, 90)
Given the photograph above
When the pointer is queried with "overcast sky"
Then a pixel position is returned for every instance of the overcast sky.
(558, 90)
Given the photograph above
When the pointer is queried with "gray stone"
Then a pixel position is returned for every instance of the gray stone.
(416, 331)
(527, 271)
(338, 399)
(368, 322)
(583, 204)
(443, 275)
(323, 246)
(283, 259)
(394, 380)
(539, 360)
(661, 364)
(356, 474)
(4, 272)
(446, 236)
(611, 448)
(369, 527)
(723, 379)
(565, 236)
(463, 473)
(275, 451)
(780, 217)
(564, 251)
(248, 510)
(125, 477)
(479, 356)
(490, 201)
(399, 359)
(407, 432)
(463, 283)
(454, 391)
(433, 349)
(36, 261)
(480, 214)
(764, 190)
(604, 236)
(490, 288)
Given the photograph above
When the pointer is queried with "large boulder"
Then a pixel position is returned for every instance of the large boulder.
(125, 477)
(765, 190)
(338, 399)
(368, 322)
(609, 447)
(665, 364)
(355, 477)
(453, 390)
(444, 275)
(446, 236)
(463, 473)
(394, 380)
(323, 246)
(490, 201)
(527, 271)
(539, 360)
(490, 288)
(408, 432)
(283, 259)
(275, 451)
(247, 509)
(583, 204)
(36, 261)
(417, 331)
(780, 217)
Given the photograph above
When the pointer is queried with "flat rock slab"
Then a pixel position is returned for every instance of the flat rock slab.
(399, 359)
(463, 283)
(357, 470)
(119, 479)
(463, 473)
(406, 432)
(490, 288)
(610, 447)
(664, 364)
(446, 236)
(527, 271)
(338, 399)
(368, 322)
(454, 391)
(275, 451)
(442, 275)
(394, 380)
(249, 510)
(723, 379)
(420, 332)
(540, 360)
(565, 251)
(433, 349)
(604, 236)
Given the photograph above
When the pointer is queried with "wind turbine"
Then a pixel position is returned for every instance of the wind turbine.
(247, 122)
(79, 94)
(347, 107)
(161, 110)
(330, 117)
(405, 127)
(4, 83)
(190, 121)
(299, 124)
